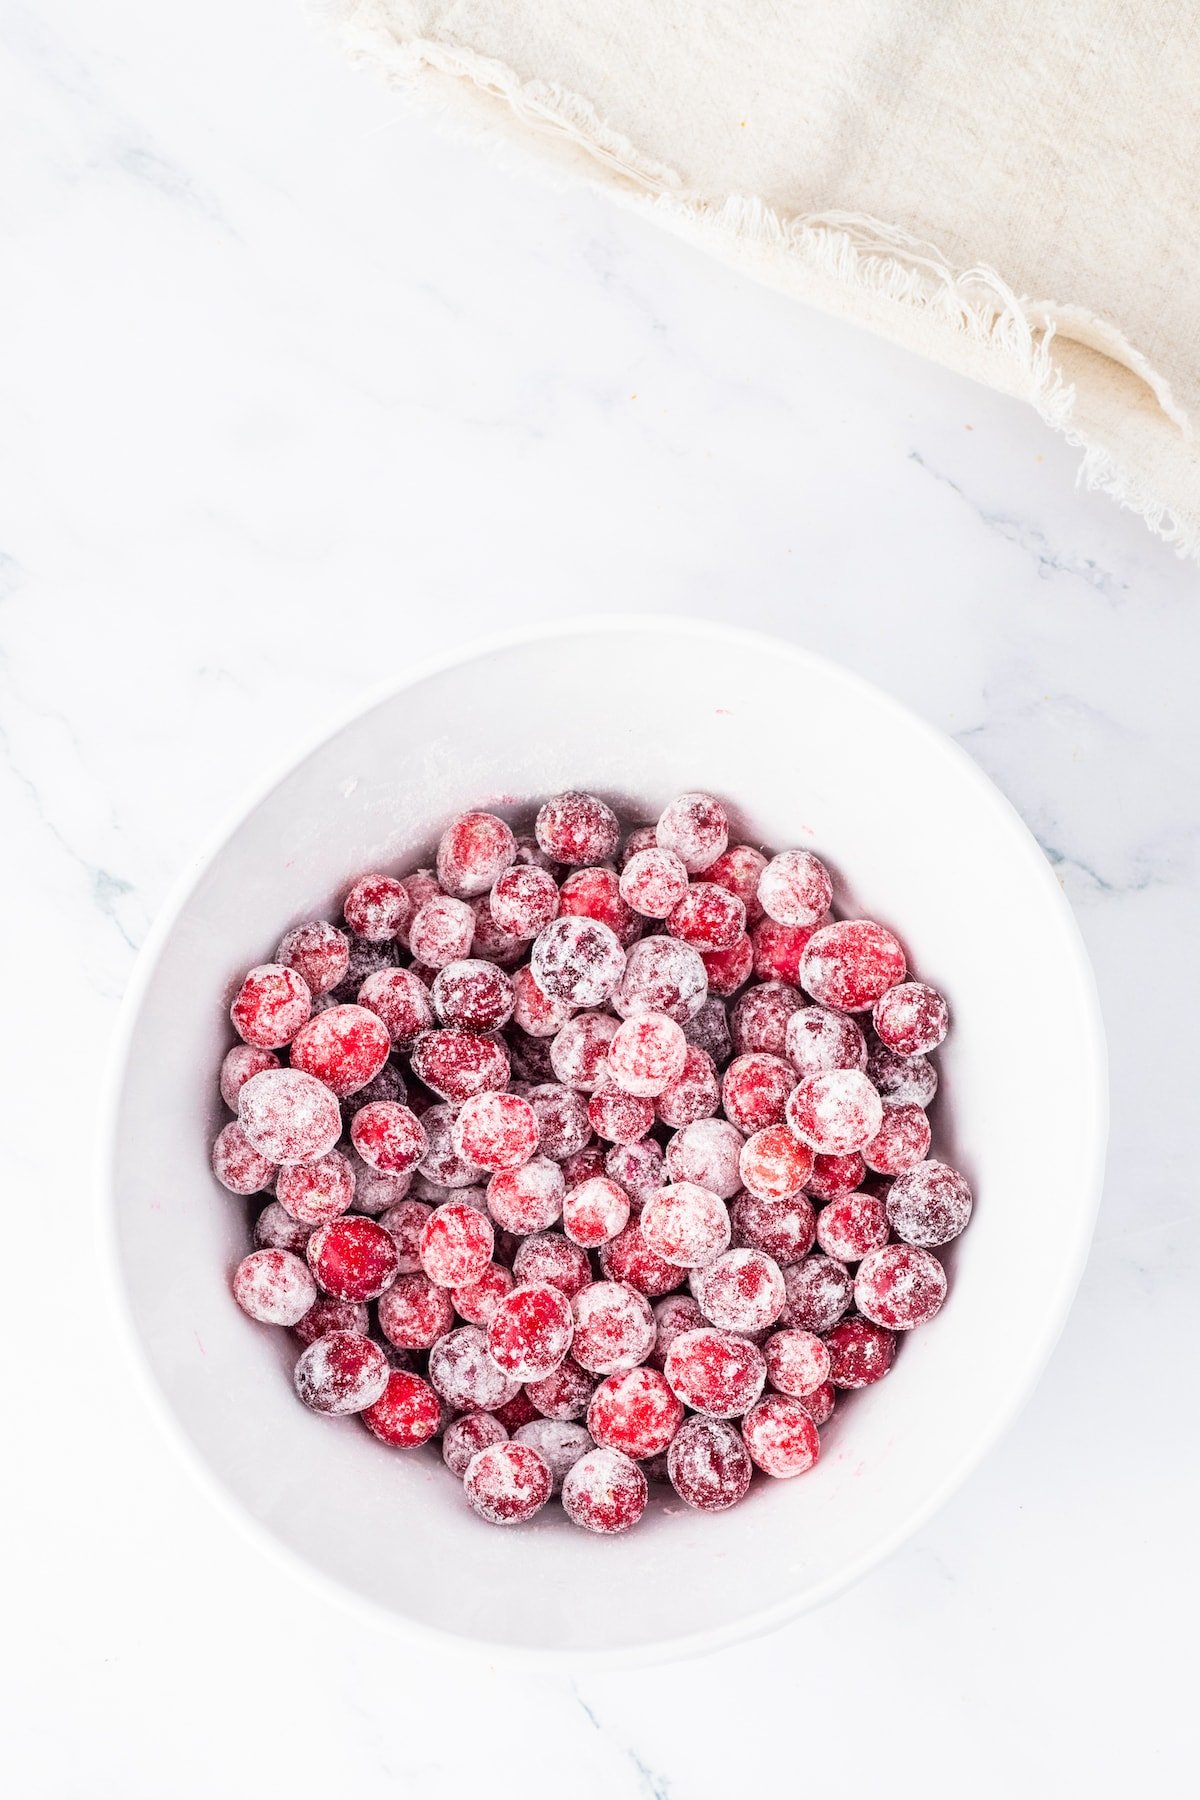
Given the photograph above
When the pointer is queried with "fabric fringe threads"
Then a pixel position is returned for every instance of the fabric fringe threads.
(847, 264)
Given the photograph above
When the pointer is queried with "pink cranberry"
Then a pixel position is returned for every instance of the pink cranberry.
(755, 1090)
(461, 1439)
(819, 1406)
(344, 1046)
(773, 1164)
(672, 1317)
(596, 894)
(662, 975)
(836, 1113)
(524, 900)
(781, 1437)
(441, 1164)
(618, 1117)
(707, 1153)
(899, 1286)
(237, 1165)
(741, 1291)
(530, 1331)
(819, 1290)
(326, 1315)
(342, 1372)
(353, 1258)
(559, 1443)
(595, 1211)
(414, 1313)
(474, 995)
(695, 1092)
(779, 950)
(783, 1229)
(850, 964)
(579, 1052)
(463, 1372)
(270, 1006)
(402, 1001)
(653, 882)
(614, 1328)
(577, 960)
(929, 1205)
(388, 1136)
(696, 828)
(496, 1132)
(564, 1394)
(457, 1065)
(911, 1018)
(377, 907)
(901, 1142)
(289, 1116)
(577, 829)
(275, 1229)
(477, 1300)
(638, 1168)
(406, 1221)
(274, 1287)
(563, 1125)
(489, 943)
(550, 1257)
(534, 1012)
(474, 851)
(797, 1362)
(908, 1080)
(848, 1228)
(833, 1176)
(861, 1353)
(406, 1414)
(442, 931)
(456, 1244)
(646, 1054)
(758, 1019)
(708, 1465)
(319, 953)
(739, 871)
(629, 1259)
(240, 1063)
(818, 1041)
(685, 1224)
(604, 1492)
(708, 917)
(507, 1483)
(316, 1192)
(529, 1198)
(795, 888)
(714, 1372)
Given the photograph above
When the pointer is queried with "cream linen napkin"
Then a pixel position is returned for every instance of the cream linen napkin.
(1007, 186)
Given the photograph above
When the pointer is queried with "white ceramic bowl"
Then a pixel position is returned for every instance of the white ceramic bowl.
(805, 754)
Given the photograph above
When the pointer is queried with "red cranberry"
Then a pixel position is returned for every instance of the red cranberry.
(628, 1258)
(496, 1132)
(353, 1258)
(741, 1291)
(316, 1192)
(489, 943)
(577, 960)
(739, 871)
(714, 1372)
(848, 1228)
(618, 1117)
(781, 1437)
(474, 1431)
(463, 1372)
(563, 1125)
(377, 907)
(344, 1046)
(779, 950)
(646, 1054)
(595, 1211)
(506, 1484)
(441, 1163)
(908, 1080)
(929, 1205)
(708, 917)
(797, 1362)
(456, 1244)
(604, 1492)
(474, 851)
(819, 1290)
(836, 1113)
(635, 1412)
(270, 1006)
(672, 1317)
(524, 900)
(477, 1300)
(818, 1040)
(783, 1229)
(534, 1012)
(755, 1090)
(819, 1406)
(529, 1198)
(850, 964)
(530, 1331)
(516, 1412)
(899, 1286)
(728, 970)
(240, 1063)
(319, 953)
(833, 1176)
(402, 1001)
(577, 829)
(861, 1353)
(637, 1168)
(326, 1315)
(795, 888)
(275, 1229)
(474, 995)
(685, 1224)
(758, 1019)
(559, 1444)
(596, 894)
(773, 1164)
(901, 1142)
(550, 1257)
(642, 837)
(695, 1092)
(442, 931)
(457, 1065)
(289, 1116)
(406, 1414)
(388, 1136)
(342, 1372)
(614, 1328)
(653, 882)
(406, 1221)
(274, 1287)
(237, 1165)
(662, 975)
(564, 1394)
(579, 1052)
(584, 1165)
(696, 828)
(911, 1018)
(414, 1313)
(708, 1465)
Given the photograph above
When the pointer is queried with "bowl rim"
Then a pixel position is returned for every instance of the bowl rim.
(180, 891)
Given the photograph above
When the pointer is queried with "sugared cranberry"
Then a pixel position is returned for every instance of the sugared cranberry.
(579, 1052)
(473, 995)
(326, 1315)
(860, 1351)
(524, 900)
(406, 1414)
(708, 1464)
(377, 907)
(489, 942)
(899, 1286)
(662, 975)
(836, 1113)
(642, 837)
(797, 1362)
(583, 1165)
(708, 1030)
(342, 1372)
(708, 1153)
(275, 1229)
(457, 1065)
(618, 1117)
(629, 1259)
(507, 1483)
(564, 1394)
(819, 1405)
(672, 1317)
(739, 870)
(353, 1258)
(901, 1142)
(530, 1331)
(614, 1328)
(774, 1164)
(687, 1225)
(274, 1287)
(517, 1412)
(456, 1244)
(441, 1164)
(604, 1492)
(819, 1290)
(850, 964)
(442, 931)
(563, 1126)
(496, 1132)
(472, 854)
(781, 1437)
(289, 1116)
(366, 959)
(696, 828)
(819, 1040)
(708, 917)
(783, 1229)
(316, 1192)
(550, 1257)
(779, 950)
(728, 970)
(240, 1063)
(236, 1163)
(833, 1176)
(558, 1442)
(319, 953)
(695, 1092)
(595, 1211)
(848, 1228)
(271, 1005)
(415, 1312)
(929, 1205)
(911, 1018)
(638, 1168)
(577, 829)
(741, 1291)
(463, 1372)
(402, 1001)
(477, 1300)
(406, 1220)
(534, 1013)
(389, 1084)
(795, 888)
(578, 961)
(758, 1019)
(714, 1372)
(529, 1198)
(653, 882)
(646, 1054)
(755, 1090)
(908, 1080)
(344, 1046)
(596, 894)
(388, 1136)
(462, 1438)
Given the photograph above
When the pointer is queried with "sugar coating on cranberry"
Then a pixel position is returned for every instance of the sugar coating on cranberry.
(596, 894)
(795, 888)
(406, 1220)
(836, 1113)
(901, 1142)
(463, 1437)
(604, 1492)
(524, 900)
(911, 1018)
(474, 995)
(850, 1227)
(343, 1046)
(758, 1019)
(619, 1117)
(489, 943)
(850, 964)
(708, 1030)
(415, 1312)
(728, 970)
(708, 1154)
(240, 1063)
(779, 950)
(236, 1163)
(496, 1131)
(458, 1065)
(708, 917)
(695, 1092)
(909, 1080)
(274, 1287)
(402, 1001)
(579, 1052)
(472, 853)
(819, 1290)
(441, 1164)
(797, 1362)
(755, 1090)
(289, 1116)
(326, 1315)
(662, 975)
(739, 870)
(507, 1483)
(899, 1286)
(781, 1437)
(685, 1224)
(741, 1291)
(463, 1372)
(818, 1040)
(614, 1328)
(442, 931)
(275, 1229)
(316, 1192)
(535, 1013)
(319, 953)
(628, 1258)
(929, 1205)
(637, 1168)
(456, 1244)
(565, 1393)
(530, 1331)
(695, 826)
(271, 1005)
(833, 1176)
(708, 1465)
(559, 1443)
(529, 1198)
(477, 1300)
(653, 882)
(342, 1372)
(548, 1256)
(353, 1258)
(673, 1316)
(861, 1352)
(646, 1054)
(584, 1165)
(388, 1136)
(783, 1229)
(377, 907)
(406, 1414)
(517, 1412)
(595, 1211)
(774, 1164)
(577, 960)
(635, 1412)
(577, 829)
(715, 1372)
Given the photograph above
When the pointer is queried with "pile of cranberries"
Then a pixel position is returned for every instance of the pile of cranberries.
(603, 1164)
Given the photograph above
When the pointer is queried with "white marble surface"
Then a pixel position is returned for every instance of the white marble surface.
(292, 391)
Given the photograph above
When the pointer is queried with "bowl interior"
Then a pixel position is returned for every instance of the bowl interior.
(806, 755)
